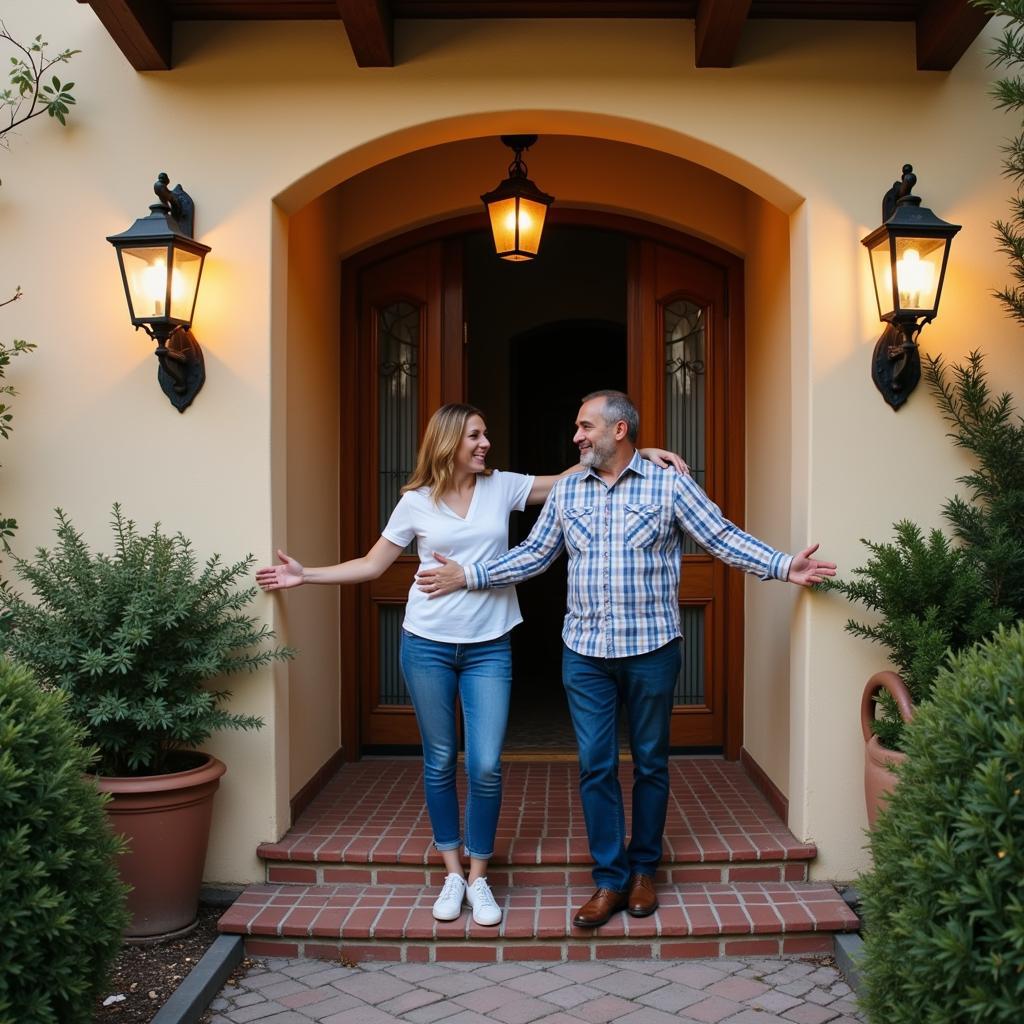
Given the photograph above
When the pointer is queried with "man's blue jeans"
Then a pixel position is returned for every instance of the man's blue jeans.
(480, 676)
(595, 688)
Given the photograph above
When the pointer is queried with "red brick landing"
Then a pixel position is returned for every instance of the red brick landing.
(349, 877)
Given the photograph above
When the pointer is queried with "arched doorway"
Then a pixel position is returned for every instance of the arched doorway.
(430, 317)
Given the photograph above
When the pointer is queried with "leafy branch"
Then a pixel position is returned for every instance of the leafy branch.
(1008, 93)
(30, 94)
(7, 352)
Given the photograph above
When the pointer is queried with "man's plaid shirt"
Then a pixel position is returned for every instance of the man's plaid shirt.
(625, 547)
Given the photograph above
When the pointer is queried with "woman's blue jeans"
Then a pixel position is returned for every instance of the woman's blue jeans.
(596, 687)
(480, 676)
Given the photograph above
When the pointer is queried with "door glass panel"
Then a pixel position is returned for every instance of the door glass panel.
(389, 636)
(683, 325)
(690, 681)
(398, 338)
(398, 341)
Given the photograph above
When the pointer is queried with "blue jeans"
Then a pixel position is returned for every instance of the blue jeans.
(595, 688)
(480, 676)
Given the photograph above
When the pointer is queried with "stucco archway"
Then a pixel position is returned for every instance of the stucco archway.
(358, 205)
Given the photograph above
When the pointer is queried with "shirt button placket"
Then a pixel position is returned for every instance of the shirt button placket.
(607, 532)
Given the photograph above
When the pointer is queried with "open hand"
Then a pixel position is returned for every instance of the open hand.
(805, 571)
(445, 579)
(665, 459)
(278, 577)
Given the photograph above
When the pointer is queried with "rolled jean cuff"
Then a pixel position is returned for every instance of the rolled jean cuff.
(479, 856)
(453, 845)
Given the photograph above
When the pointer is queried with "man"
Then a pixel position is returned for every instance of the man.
(622, 520)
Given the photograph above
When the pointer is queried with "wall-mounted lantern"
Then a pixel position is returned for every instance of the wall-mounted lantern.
(908, 256)
(161, 264)
(517, 208)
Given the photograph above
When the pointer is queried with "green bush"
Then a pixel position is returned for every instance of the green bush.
(930, 598)
(132, 637)
(933, 597)
(944, 904)
(61, 903)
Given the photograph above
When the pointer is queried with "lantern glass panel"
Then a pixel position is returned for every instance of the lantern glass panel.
(185, 271)
(918, 271)
(881, 271)
(145, 271)
(531, 224)
(503, 224)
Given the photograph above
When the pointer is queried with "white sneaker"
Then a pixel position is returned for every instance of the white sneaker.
(448, 905)
(480, 898)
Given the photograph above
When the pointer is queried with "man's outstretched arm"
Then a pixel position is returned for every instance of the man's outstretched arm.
(530, 558)
(696, 513)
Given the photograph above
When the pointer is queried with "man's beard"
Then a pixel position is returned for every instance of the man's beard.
(599, 455)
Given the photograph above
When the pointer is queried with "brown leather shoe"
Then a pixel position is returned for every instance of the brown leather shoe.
(643, 900)
(596, 911)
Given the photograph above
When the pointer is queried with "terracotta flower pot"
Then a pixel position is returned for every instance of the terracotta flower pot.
(879, 777)
(166, 820)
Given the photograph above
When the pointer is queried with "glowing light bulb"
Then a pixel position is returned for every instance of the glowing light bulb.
(154, 285)
(915, 278)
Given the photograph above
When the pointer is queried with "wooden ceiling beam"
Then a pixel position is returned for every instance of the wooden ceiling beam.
(945, 29)
(370, 28)
(718, 27)
(141, 28)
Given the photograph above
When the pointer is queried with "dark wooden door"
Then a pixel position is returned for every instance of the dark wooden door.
(683, 373)
(404, 309)
(410, 362)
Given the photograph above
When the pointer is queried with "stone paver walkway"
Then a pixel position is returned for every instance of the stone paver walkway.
(724, 991)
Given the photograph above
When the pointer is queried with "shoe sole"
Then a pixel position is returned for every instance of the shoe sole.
(595, 924)
(641, 913)
(454, 917)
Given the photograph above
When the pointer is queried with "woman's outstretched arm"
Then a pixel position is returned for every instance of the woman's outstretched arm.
(291, 573)
(659, 456)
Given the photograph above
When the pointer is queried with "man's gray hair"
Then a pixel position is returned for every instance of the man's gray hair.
(617, 406)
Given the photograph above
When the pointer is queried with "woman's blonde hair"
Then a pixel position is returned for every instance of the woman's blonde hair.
(435, 463)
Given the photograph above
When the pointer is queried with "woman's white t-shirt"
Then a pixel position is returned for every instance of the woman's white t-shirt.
(465, 616)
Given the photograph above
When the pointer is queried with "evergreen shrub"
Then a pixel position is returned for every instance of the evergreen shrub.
(932, 596)
(132, 638)
(61, 903)
(944, 903)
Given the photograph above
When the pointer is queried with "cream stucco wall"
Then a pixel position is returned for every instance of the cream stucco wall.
(805, 122)
(313, 465)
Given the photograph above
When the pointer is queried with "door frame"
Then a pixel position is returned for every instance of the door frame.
(732, 498)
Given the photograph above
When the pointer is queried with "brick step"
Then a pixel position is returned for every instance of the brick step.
(371, 817)
(394, 922)
(770, 869)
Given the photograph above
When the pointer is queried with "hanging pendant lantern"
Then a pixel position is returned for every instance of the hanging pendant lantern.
(517, 208)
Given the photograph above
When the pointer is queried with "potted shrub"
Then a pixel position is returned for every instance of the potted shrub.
(133, 638)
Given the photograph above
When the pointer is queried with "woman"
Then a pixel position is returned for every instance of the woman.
(458, 646)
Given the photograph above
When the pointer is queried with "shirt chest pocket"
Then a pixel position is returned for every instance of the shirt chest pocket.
(642, 525)
(579, 526)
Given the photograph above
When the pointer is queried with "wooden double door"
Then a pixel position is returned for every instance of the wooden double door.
(405, 353)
